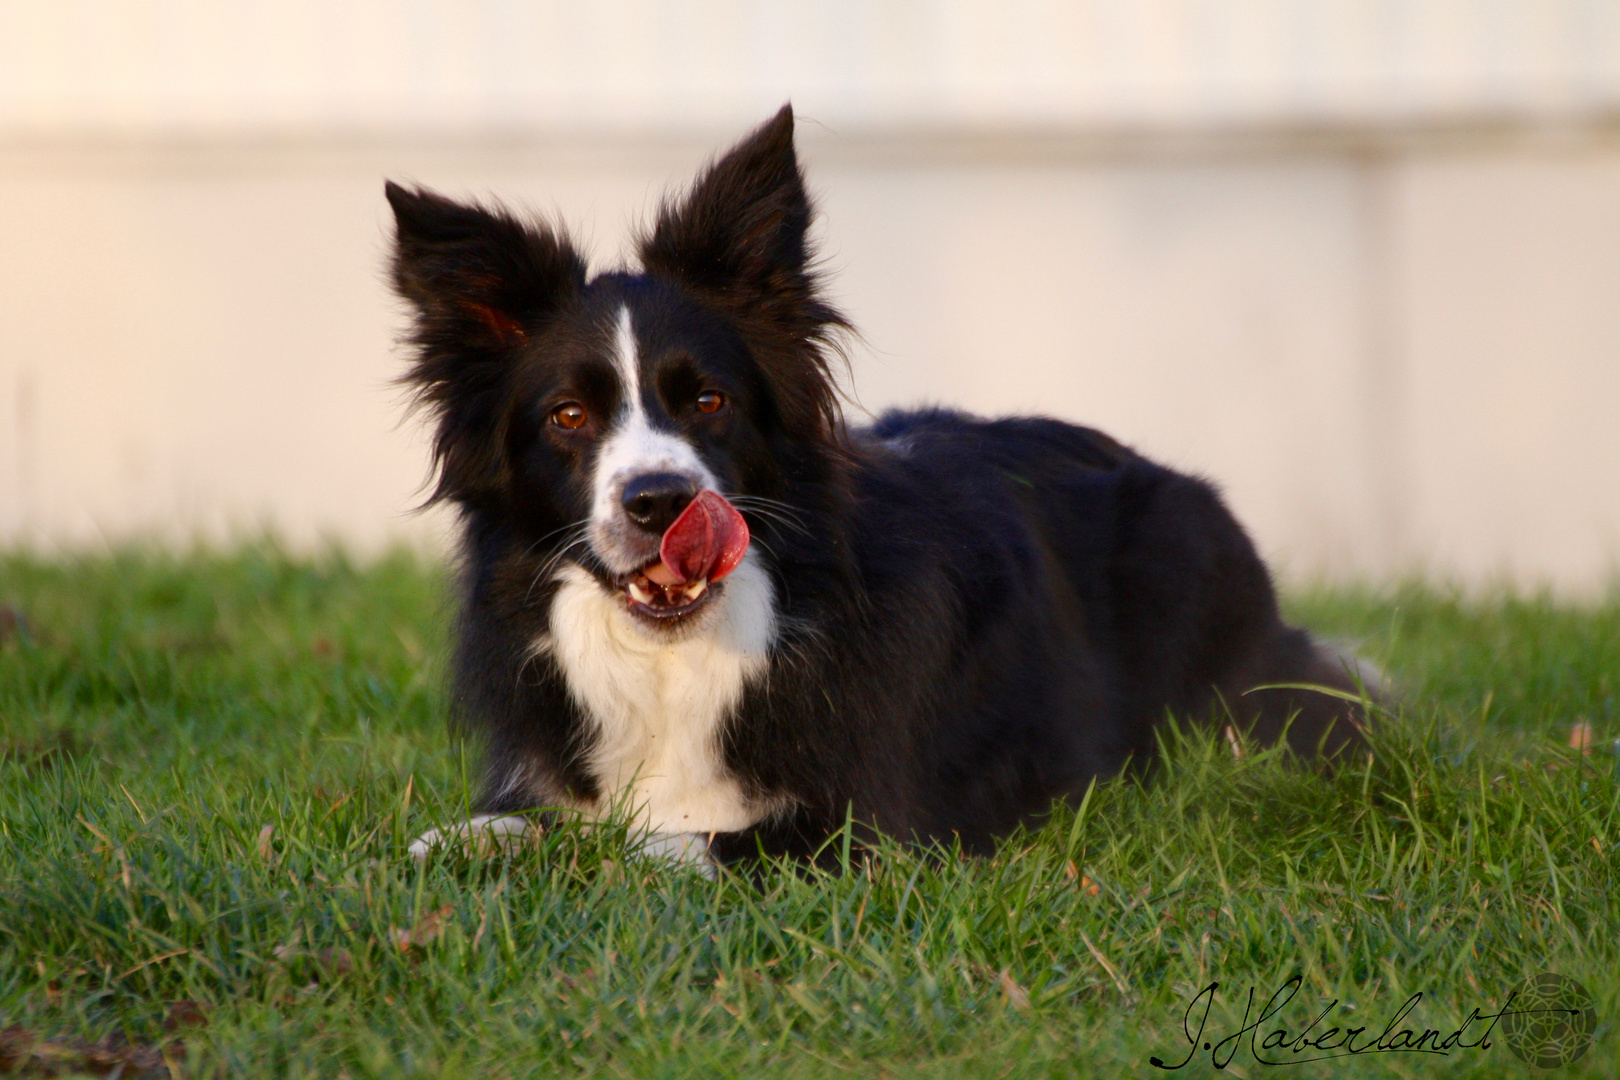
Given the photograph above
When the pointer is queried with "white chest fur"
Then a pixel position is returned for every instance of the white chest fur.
(659, 703)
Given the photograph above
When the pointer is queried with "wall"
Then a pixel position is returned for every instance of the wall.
(1359, 263)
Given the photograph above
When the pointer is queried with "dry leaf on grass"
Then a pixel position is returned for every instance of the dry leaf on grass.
(427, 928)
(333, 961)
(1087, 886)
(23, 1052)
(337, 961)
(185, 1014)
(1016, 995)
(1582, 737)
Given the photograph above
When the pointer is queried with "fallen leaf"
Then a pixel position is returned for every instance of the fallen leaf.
(185, 1014)
(337, 961)
(1582, 737)
(1089, 887)
(1016, 995)
(265, 850)
(427, 928)
(22, 1051)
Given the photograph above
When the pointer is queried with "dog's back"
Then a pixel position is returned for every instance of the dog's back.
(1034, 600)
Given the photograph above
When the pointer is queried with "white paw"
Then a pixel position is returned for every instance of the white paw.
(682, 849)
(481, 834)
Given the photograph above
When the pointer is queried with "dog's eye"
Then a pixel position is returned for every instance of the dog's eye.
(710, 401)
(570, 415)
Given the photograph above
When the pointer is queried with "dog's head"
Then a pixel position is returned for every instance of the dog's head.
(586, 414)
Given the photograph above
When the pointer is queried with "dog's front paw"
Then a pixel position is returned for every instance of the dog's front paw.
(681, 849)
(482, 834)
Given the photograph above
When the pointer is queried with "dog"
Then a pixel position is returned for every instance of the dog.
(691, 589)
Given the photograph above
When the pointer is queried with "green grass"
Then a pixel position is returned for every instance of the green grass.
(212, 764)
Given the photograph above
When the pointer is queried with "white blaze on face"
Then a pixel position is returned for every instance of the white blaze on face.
(632, 448)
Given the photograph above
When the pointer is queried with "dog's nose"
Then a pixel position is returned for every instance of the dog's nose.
(655, 500)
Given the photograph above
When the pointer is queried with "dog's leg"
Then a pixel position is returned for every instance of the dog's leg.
(486, 834)
(1364, 675)
(1315, 723)
(480, 834)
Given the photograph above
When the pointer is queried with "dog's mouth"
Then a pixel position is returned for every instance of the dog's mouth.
(653, 592)
(700, 547)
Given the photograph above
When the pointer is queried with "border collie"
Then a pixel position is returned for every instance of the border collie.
(690, 589)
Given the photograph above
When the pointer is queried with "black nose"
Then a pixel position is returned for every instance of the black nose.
(655, 500)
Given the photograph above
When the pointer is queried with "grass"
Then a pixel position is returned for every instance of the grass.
(210, 765)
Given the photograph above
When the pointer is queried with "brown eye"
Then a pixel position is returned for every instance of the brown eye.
(710, 401)
(571, 415)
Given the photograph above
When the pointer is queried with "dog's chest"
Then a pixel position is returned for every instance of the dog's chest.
(658, 704)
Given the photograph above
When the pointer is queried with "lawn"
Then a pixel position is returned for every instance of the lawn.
(210, 766)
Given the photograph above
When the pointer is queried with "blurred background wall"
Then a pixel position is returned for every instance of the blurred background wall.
(1358, 260)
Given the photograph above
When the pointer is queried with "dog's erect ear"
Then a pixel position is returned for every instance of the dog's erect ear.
(481, 283)
(743, 223)
(738, 239)
(482, 273)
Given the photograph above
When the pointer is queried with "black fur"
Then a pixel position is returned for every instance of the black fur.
(978, 617)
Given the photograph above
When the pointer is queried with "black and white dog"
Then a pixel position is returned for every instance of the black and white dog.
(691, 590)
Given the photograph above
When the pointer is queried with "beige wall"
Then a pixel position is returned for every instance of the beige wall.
(1393, 360)
(132, 68)
(1359, 263)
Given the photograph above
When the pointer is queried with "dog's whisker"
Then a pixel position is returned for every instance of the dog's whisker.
(551, 564)
(767, 549)
(581, 524)
(759, 502)
(771, 514)
(562, 553)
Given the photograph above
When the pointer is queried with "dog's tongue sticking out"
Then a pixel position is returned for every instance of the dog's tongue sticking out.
(706, 542)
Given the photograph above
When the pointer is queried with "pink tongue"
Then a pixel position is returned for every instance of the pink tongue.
(708, 540)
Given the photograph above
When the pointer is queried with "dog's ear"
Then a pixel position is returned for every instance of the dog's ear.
(481, 283)
(739, 240)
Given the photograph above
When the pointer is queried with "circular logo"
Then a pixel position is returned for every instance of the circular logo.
(1550, 1021)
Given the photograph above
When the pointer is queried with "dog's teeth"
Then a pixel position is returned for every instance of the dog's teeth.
(639, 593)
(695, 590)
